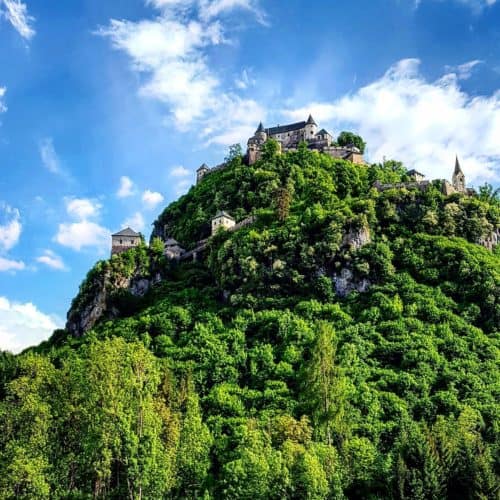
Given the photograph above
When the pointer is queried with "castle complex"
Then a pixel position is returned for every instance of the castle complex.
(288, 138)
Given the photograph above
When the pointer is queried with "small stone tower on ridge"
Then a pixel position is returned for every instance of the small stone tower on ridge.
(201, 172)
(458, 179)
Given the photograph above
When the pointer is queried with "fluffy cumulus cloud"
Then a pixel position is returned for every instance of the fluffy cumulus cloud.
(16, 13)
(424, 123)
(24, 325)
(126, 187)
(82, 208)
(52, 260)
(135, 221)
(82, 234)
(83, 231)
(171, 52)
(151, 198)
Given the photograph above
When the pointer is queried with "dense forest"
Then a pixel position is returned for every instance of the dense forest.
(344, 345)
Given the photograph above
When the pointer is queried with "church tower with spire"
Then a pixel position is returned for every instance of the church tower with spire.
(458, 179)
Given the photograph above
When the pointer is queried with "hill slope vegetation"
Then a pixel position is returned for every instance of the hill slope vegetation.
(344, 345)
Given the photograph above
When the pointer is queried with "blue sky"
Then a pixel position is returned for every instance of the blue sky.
(107, 108)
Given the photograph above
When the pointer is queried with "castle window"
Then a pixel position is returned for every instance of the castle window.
(121, 241)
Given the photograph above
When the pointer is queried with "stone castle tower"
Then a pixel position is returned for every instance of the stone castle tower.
(458, 178)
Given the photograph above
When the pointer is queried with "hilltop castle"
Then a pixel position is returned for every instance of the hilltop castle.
(288, 138)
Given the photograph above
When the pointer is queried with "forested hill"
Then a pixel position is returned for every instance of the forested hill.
(343, 345)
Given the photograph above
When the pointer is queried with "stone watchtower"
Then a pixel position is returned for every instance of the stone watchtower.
(458, 178)
(222, 219)
(201, 172)
(255, 143)
(124, 240)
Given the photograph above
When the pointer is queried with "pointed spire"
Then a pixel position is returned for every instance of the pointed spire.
(260, 128)
(310, 121)
(204, 166)
(458, 169)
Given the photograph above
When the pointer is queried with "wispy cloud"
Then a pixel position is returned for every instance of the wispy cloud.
(463, 71)
(179, 171)
(477, 6)
(23, 325)
(50, 158)
(3, 107)
(171, 52)
(10, 226)
(52, 260)
(11, 265)
(244, 81)
(424, 123)
(16, 13)
(126, 187)
(135, 221)
(10, 232)
(182, 186)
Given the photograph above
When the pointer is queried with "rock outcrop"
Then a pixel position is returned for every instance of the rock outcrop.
(345, 280)
(99, 301)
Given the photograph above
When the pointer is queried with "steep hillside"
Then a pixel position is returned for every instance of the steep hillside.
(343, 345)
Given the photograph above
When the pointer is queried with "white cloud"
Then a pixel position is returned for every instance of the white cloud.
(82, 208)
(135, 221)
(182, 186)
(17, 15)
(11, 265)
(126, 188)
(78, 235)
(3, 108)
(172, 53)
(52, 260)
(210, 9)
(179, 171)
(244, 81)
(476, 5)
(82, 233)
(423, 123)
(464, 71)
(24, 325)
(151, 198)
(10, 226)
(50, 159)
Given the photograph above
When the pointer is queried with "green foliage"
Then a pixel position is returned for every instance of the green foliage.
(350, 139)
(245, 375)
